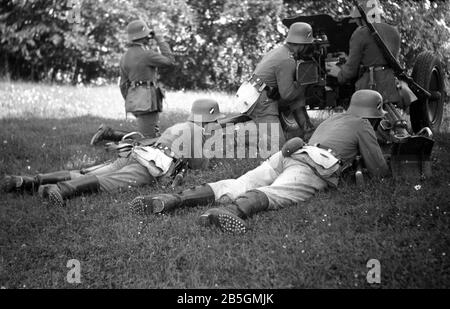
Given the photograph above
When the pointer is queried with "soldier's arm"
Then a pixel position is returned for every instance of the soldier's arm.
(165, 58)
(287, 86)
(351, 68)
(370, 151)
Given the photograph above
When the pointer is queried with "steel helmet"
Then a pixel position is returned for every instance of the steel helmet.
(366, 104)
(372, 8)
(137, 29)
(205, 110)
(300, 33)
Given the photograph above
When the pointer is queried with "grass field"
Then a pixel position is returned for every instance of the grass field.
(324, 243)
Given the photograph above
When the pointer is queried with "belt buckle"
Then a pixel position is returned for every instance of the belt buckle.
(258, 83)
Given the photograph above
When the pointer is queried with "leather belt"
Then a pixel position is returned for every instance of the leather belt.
(376, 68)
(141, 83)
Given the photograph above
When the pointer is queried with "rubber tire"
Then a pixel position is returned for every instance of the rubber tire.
(428, 71)
(288, 122)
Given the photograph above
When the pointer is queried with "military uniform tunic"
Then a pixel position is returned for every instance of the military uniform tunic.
(365, 52)
(140, 63)
(277, 69)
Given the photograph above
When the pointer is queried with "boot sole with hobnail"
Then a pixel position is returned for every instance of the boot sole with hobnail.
(141, 206)
(146, 206)
(55, 199)
(226, 222)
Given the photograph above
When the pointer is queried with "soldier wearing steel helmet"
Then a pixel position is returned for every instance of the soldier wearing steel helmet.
(138, 81)
(274, 77)
(290, 176)
(181, 144)
(366, 63)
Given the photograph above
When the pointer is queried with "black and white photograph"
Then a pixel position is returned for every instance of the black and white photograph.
(224, 151)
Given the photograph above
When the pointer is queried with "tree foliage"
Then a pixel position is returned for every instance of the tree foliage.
(217, 43)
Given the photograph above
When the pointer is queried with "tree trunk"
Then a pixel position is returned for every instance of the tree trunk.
(7, 72)
(76, 73)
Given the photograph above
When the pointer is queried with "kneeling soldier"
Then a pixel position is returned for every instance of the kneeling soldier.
(290, 176)
(141, 166)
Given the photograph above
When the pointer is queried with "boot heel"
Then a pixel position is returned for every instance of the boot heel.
(158, 206)
(205, 220)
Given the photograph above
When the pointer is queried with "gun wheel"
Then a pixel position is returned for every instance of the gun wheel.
(429, 74)
(288, 122)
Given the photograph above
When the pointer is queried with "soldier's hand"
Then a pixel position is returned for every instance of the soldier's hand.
(333, 69)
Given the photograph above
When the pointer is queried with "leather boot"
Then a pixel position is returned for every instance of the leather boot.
(31, 184)
(52, 178)
(19, 184)
(107, 133)
(161, 203)
(58, 193)
(231, 218)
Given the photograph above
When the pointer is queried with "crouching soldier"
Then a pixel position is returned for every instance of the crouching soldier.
(273, 87)
(290, 176)
(141, 166)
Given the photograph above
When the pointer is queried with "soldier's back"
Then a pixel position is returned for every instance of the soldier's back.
(266, 68)
(372, 54)
(134, 62)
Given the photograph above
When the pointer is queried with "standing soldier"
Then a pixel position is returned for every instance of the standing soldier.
(138, 85)
(365, 55)
(366, 61)
(275, 80)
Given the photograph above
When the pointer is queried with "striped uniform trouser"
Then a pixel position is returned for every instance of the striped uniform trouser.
(120, 174)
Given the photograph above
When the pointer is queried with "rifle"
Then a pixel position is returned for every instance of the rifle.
(399, 71)
(179, 172)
